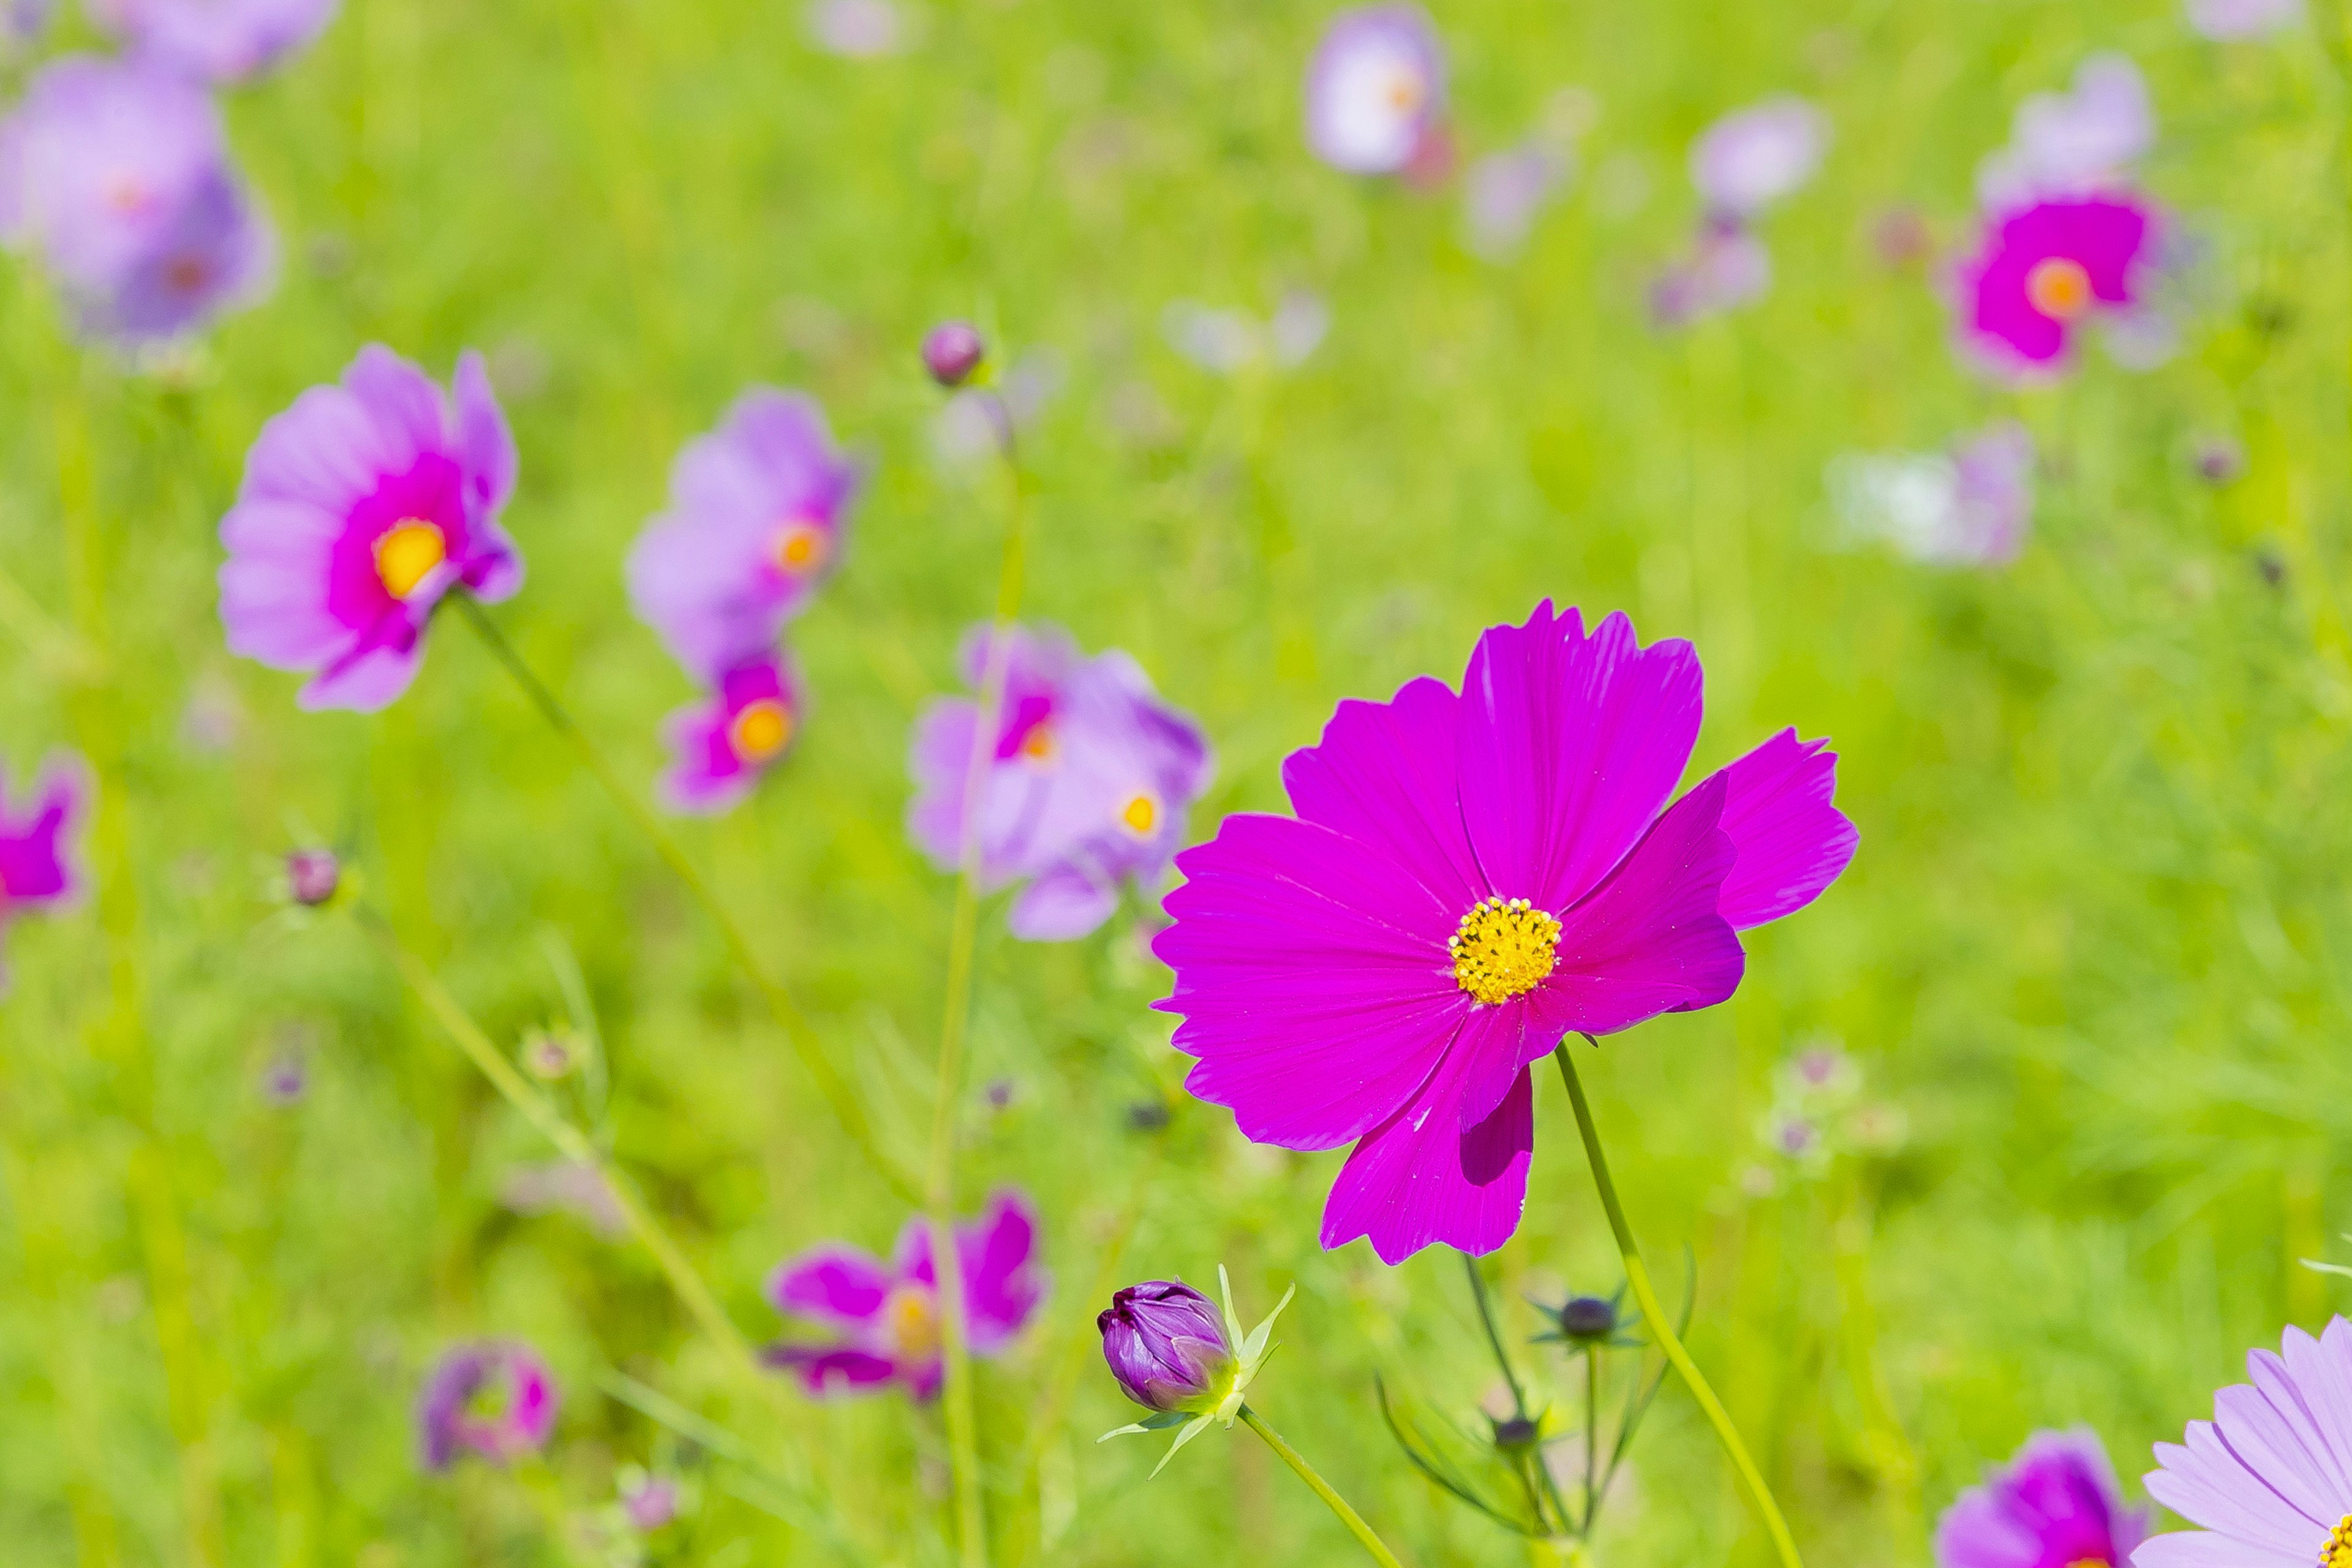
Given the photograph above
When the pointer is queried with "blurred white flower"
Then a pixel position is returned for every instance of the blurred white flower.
(1231, 341)
(858, 29)
(2067, 144)
(2223, 20)
(966, 431)
(1753, 157)
(1971, 507)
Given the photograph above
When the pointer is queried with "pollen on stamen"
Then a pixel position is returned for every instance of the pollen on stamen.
(1141, 814)
(1503, 948)
(2338, 1552)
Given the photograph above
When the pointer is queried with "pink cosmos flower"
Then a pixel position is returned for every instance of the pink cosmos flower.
(2075, 144)
(724, 744)
(2055, 1506)
(1727, 265)
(2041, 274)
(1751, 158)
(755, 524)
(362, 505)
(887, 1315)
(495, 1398)
(37, 874)
(1085, 788)
(118, 174)
(215, 40)
(1376, 93)
(1469, 878)
(2270, 1477)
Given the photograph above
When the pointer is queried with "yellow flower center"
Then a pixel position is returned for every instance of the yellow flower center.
(2058, 287)
(2338, 1552)
(1503, 949)
(761, 730)
(798, 549)
(911, 1315)
(406, 553)
(2090, 1562)
(1039, 745)
(1141, 814)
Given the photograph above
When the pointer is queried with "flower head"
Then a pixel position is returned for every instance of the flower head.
(1376, 92)
(215, 40)
(2224, 20)
(495, 1398)
(953, 351)
(2270, 1477)
(1172, 1354)
(2073, 144)
(725, 742)
(2043, 273)
(362, 505)
(1972, 506)
(313, 877)
(1085, 786)
(1469, 877)
(754, 525)
(38, 873)
(1751, 158)
(118, 173)
(887, 1315)
(2056, 1505)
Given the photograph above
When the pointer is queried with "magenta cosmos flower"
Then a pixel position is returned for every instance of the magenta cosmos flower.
(2055, 1506)
(725, 742)
(36, 869)
(216, 40)
(362, 505)
(887, 1315)
(2041, 274)
(755, 524)
(2270, 1477)
(118, 174)
(495, 1398)
(1468, 878)
(1084, 788)
(1376, 92)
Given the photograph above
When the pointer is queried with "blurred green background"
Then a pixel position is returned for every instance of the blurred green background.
(2092, 951)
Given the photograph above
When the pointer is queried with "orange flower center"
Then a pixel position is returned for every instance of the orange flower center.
(2058, 287)
(1403, 93)
(798, 549)
(911, 1317)
(406, 553)
(761, 730)
(1039, 745)
(1141, 812)
(1504, 948)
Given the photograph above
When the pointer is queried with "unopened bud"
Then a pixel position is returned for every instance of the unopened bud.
(1515, 1433)
(1166, 1346)
(1586, 1318)
(312, 876)
(951, 351)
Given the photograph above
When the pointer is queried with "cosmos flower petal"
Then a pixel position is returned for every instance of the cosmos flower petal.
(1791, 842)
(826, 1371)
(403, 408)
(1062, 905)
(2202, 1549)
(486, 445)
(366, 680)
(2266, 1444)
(2322, 1373)
(836, 1285)
(2207, 1484)
(1002, 1283)
(1651, 939)
(1419, 1180)
(1568, 745)
(2056, 1502)
(324, 450)
(1384, 775)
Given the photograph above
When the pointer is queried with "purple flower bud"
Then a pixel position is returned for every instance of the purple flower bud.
(951, 351)
(1584, 1319)
(1165, 1344)
(312, 876)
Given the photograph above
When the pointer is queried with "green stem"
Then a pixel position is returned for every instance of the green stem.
(1592, 1438)
(963, 932)
(788, 1016)
(1322, 1488)
(1638, 1278)
(1534, 1476)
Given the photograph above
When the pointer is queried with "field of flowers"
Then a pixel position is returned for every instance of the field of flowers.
(532, 890)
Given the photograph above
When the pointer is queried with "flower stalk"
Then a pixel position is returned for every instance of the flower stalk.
(1338, 1505)
(1638, 1276)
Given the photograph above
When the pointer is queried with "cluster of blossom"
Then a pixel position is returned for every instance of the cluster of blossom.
(118, 173)
(1746, 163)
(1970, 506)
(1819, 1113)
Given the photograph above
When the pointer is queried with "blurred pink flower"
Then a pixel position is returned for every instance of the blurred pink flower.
(2223, 20)
(1751, 158)
(2076, 143)
(1376, 92)
(725, 742)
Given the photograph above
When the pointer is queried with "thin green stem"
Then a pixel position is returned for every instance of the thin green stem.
(963, 932)
(1638, 1276)
(1534, 1476)
(1592, 1438)
(787, 1014)
(1322, 1488)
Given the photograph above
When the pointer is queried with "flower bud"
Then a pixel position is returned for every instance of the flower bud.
(1585, 1319)
(312, 876)
(951, 351)
(1514, 1433)
(1166, 1346)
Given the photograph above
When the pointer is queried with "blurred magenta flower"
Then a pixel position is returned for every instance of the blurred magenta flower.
(2055, 1506)
(496, 1397)
(755, 524)
(1085, 787)
(1751, 158)
(363, 504)
(1470, 877)
(38, 869)
(887, 1314)
(1376, 92)
(2270, 1477)
(2041, 274)
(2077, 143)
(1970, 507)
(726, 741)
(216, 40)
(118, 174)
(2224, 20)
(1165, 1344)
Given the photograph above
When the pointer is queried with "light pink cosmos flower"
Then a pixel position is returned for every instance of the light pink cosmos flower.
(1469, 878)
(725, 742)
(2075, 144)
(362, 505)
(215, 40)
(1751, 158)
(887, 1315)
(1376, 93)
(755, 521)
